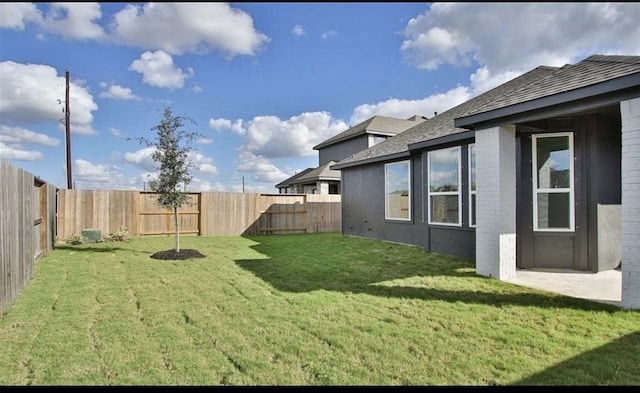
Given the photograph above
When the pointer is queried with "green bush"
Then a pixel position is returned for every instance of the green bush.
(121, 235)
(75, 240)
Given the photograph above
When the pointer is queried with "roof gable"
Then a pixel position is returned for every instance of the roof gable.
(323, 172)
(290, 180)
(379, 125)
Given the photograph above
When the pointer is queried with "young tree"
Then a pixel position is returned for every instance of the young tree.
(173, 145)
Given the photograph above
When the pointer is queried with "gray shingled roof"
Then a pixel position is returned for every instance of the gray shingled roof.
(380, 125)
(290, 180)
(590, 71)
(540, 82)
(440, 125)
(320, 173)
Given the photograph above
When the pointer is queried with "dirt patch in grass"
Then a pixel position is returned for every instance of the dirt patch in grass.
(171, 255)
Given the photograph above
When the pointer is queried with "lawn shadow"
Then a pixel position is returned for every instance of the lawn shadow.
(100, 249)
(304, 272)
(619, 358)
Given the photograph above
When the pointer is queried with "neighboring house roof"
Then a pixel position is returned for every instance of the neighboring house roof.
(541, 87)
(289, 181)
(379, 125)
(323, 172)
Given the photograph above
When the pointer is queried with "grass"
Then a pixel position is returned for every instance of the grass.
(308, 309)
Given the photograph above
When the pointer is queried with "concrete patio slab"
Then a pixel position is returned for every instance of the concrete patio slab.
(604, 287)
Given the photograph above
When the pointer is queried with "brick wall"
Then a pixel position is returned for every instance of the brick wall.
(496, 202)
(630, 111)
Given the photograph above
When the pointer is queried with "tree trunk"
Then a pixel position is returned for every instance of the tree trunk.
(175, 221)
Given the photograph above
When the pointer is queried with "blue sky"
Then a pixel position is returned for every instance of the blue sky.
(264, 82)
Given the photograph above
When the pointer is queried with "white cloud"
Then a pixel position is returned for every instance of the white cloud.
(220, 124)
(203, 163)
(328, 34)
(517, 37)
(17, 153)
(177, 28)
(298, 30)
(260, 168)
(482, 80)
(141, 159)
(225, 124)
(205, 141)
(208, 169)
(16, 15)
(271, 137)
(22, 135)
(158, 70)
(74, 20)
(34, 93)
(116, 132)
(403, 109)
(117, 92)
(199, 185)
(87, 175)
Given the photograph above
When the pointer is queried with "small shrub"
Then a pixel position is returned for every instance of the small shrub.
(75, 240)
(120, 235)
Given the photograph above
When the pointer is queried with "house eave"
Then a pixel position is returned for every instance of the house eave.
(457, 137)
(583, 99)
(373, 160)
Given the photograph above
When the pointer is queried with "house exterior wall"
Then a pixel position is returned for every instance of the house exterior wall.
(496, 202)
(605, 220)
(342, 149)
(363, 211)
(630, 113)
(323, 188)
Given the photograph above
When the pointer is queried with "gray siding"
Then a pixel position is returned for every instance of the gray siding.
(363, 213)
(342, 149)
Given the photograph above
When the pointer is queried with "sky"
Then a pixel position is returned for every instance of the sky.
(263, 82)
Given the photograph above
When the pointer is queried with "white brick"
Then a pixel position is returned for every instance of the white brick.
(496, 199)
(630, 112)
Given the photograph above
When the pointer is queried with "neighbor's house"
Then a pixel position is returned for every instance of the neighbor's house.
(323, 179)
(540, 172)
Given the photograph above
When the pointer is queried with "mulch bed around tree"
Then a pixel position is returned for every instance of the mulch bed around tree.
(171, 255)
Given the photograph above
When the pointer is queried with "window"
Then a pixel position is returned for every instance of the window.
(444, 186)
(375, 139)
(553, 182)
(472, 185)
(397, 197)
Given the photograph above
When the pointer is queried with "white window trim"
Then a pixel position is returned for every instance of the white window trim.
(371, 140)
(458, 193)
(536, 190)
(386, 193)
(471, 192)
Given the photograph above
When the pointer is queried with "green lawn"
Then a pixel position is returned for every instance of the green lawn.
(311, 309)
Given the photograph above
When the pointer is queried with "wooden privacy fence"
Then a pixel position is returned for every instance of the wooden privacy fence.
(27, 227)
(205, 213)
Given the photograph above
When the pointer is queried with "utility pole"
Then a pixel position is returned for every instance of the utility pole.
(243, 184)
(67, 125)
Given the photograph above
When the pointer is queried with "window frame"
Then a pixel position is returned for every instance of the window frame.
(374, 139)
(409, 190)
(471, 165)
(458, 193)
(534, 179)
